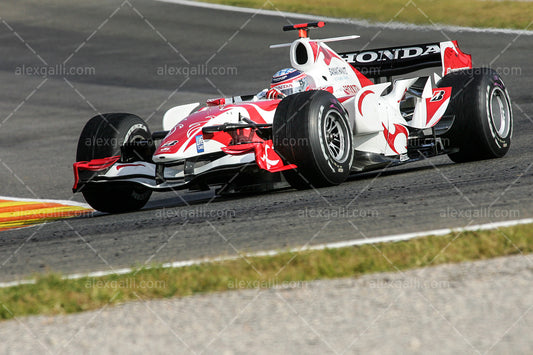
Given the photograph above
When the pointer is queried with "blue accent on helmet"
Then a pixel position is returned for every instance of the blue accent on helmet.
(285, 74)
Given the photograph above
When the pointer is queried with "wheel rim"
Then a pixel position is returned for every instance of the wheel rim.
(336, 136)
(500, 113)
(138, 136)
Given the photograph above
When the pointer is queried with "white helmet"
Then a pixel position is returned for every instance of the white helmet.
(288, 81)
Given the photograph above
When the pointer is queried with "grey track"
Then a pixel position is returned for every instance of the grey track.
(39, 132)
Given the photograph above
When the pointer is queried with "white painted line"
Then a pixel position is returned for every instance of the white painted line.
(362, 23)
(336, 245)
(63, 202)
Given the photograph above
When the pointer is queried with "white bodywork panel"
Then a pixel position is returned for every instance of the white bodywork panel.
(173, 116)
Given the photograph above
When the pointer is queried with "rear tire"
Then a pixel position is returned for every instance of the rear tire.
(103, 137)
(483, 123)
(311, 130)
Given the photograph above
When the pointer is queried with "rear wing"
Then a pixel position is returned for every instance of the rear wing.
(392, 61)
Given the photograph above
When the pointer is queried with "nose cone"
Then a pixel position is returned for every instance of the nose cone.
(186, 134)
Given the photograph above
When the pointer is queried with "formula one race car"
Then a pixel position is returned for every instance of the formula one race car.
(329, 116)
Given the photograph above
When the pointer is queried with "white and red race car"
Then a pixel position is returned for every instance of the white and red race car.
(329, 116)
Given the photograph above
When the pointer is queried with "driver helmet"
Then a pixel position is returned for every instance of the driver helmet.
(289, 81)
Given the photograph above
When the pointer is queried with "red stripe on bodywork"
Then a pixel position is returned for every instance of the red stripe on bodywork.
(391, 138)
(361, 98)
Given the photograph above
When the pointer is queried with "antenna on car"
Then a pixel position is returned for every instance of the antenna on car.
(303, 28)
(303, 32)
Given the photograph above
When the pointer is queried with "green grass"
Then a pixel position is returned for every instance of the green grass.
(53, 295)
(471, 13)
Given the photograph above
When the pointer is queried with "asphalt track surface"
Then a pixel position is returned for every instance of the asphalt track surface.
(126, 46)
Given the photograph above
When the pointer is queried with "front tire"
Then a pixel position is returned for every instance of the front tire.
(102, 137)
(311, 130)
(483, 123)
